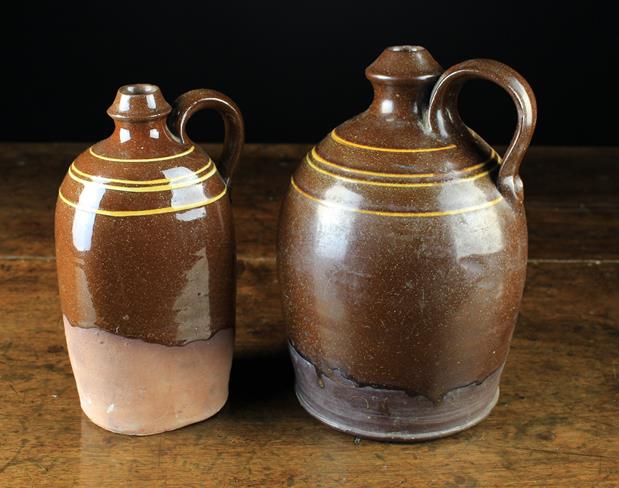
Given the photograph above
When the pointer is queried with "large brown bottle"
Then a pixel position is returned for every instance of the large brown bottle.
(402, 256)
(146, 265)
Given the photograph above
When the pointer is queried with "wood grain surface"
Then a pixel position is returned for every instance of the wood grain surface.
(556, 423)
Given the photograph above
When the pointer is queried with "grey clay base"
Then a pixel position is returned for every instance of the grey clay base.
(390, 415)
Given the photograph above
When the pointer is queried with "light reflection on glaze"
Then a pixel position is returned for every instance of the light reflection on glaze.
(84, 222)
(386, 106)
(333, 226)
(473, 233)
(124, 134)
(150, 101)
(192, 306)
(177, 172)
(332, 240)
(187, 195)
(88, 314)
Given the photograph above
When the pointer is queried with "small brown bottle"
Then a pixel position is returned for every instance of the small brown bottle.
(145, 253)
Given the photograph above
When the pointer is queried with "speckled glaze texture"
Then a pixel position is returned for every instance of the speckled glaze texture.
(144, 234)
(402, 254)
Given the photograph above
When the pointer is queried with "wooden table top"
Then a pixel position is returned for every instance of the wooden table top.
(556, 423)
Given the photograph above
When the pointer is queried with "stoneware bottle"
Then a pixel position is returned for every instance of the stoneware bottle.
(146, 265)
(402, 255)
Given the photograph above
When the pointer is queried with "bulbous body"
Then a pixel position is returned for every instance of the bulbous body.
(402, 266)
(145, 255)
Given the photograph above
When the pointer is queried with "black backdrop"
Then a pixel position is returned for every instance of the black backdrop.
(296, 69)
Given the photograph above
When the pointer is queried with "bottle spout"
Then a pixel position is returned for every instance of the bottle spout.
(402, 77)
(404, 65)
(140, 101)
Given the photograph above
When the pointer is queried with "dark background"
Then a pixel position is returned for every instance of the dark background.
(296, 69)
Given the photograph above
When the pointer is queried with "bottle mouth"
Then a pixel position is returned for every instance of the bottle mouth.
(138, 101)
(406, 49)
(138, 89)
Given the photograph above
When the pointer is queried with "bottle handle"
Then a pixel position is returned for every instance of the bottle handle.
(192, 101)
(443, 115)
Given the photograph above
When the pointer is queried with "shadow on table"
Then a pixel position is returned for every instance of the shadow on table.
(260, 378)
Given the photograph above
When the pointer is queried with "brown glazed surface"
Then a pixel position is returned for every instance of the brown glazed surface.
(144, 236)
(403, 240)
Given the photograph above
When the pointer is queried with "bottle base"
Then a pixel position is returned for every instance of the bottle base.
(129, 386)
(386, 414)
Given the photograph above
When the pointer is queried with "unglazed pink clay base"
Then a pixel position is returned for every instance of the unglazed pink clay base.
(134, 387)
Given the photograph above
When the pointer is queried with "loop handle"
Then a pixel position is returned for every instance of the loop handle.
(192, 101)
(443, 115)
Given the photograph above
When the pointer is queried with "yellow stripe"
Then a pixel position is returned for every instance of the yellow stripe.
(139, 213)
(339, 140)
(145, 160)
(322, 160)
(399, 185)
(316, 156)
(139, 182)
(144, 189)
(397, 214)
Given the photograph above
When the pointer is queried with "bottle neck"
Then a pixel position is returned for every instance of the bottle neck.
(141, 132)
(396, 101)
